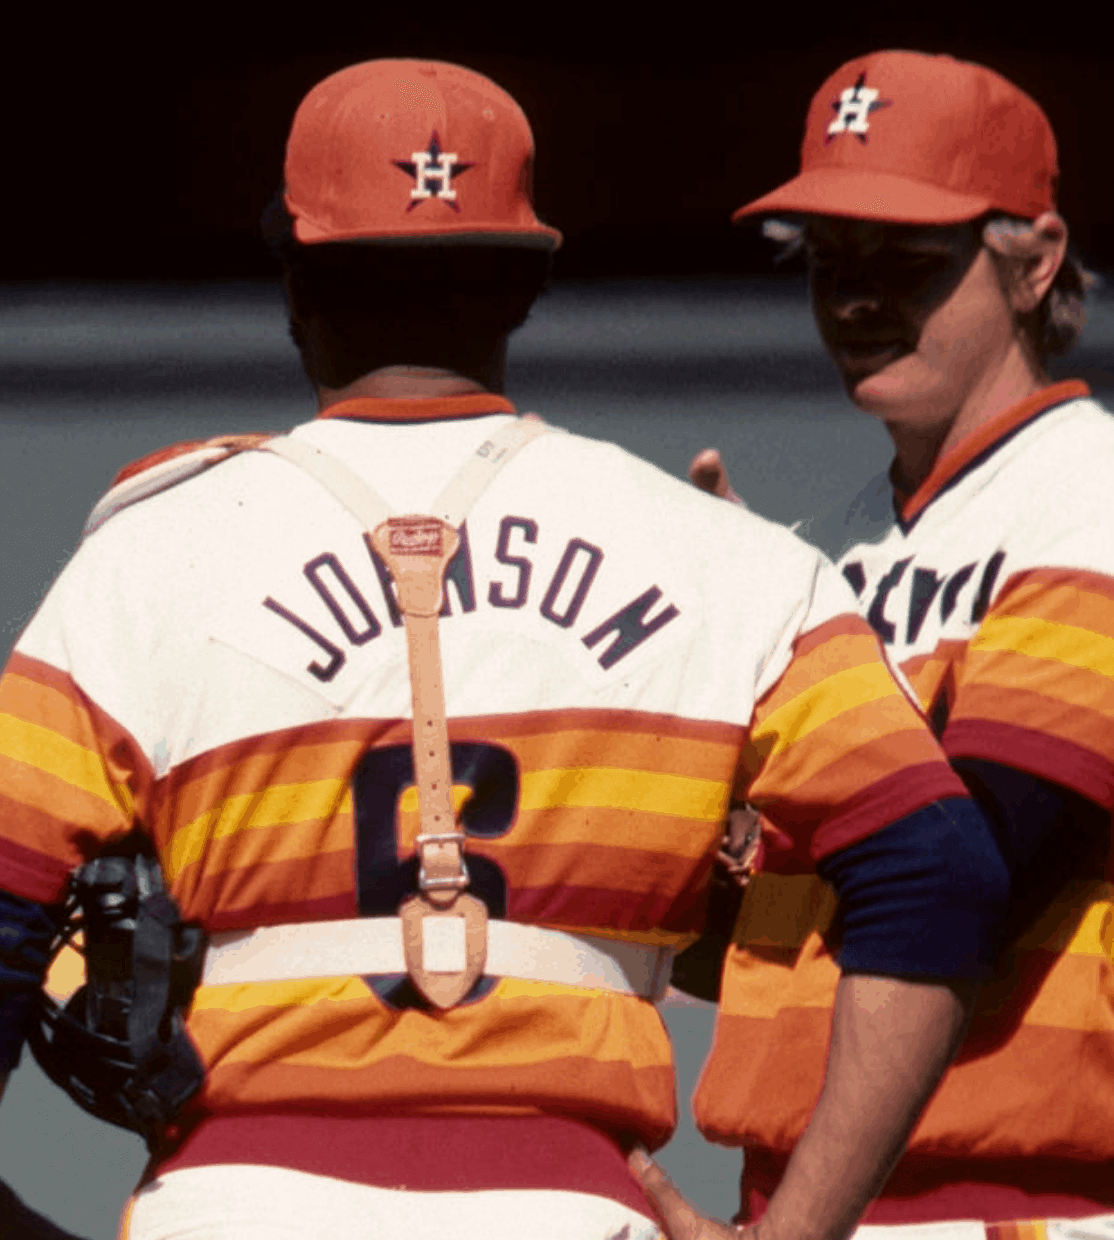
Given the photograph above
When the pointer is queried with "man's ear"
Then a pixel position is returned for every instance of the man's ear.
(1033, 254)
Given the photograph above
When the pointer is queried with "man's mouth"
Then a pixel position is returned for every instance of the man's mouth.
(866, 347)
(858, 354)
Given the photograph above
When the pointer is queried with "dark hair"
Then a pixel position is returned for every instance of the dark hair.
(458, 290)
(1061, 314)
(1056, 323)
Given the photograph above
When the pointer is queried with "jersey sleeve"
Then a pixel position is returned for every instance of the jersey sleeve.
(1035, 689)
(837, 748)
(72, 778)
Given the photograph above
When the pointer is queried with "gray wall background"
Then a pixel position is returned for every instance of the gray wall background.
(93, 376)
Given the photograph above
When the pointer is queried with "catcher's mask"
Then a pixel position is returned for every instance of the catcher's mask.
(118, 1046)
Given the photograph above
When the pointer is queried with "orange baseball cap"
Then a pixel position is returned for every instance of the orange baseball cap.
(918, 139)
(412, 151)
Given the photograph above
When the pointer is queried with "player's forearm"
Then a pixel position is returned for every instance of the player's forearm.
(891, 1042)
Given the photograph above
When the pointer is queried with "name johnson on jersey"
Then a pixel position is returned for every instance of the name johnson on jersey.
(560, 601)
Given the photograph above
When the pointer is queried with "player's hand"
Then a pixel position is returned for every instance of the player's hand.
(740, 849)
(709, 473)
(680, 1219)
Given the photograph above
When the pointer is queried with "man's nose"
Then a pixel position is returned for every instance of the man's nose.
(849, 301)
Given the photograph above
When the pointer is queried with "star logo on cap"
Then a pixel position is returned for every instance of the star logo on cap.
(432, 167)
(853, 109)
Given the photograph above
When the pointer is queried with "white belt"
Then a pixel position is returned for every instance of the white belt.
(369, 945)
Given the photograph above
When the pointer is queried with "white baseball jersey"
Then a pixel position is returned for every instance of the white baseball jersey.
(224, 662)
(992, 588)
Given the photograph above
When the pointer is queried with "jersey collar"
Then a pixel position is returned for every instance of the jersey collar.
(980, 444)
(423, 409)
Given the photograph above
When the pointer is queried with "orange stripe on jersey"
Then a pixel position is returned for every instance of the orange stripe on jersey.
(779, 911)
(837, 732)
(1037, 1020)
(401, 409)
(332, 1045)
(1044, 654)
(234, 444)
(63, 761)
(842, 626)
(927, 673)
(272, 893)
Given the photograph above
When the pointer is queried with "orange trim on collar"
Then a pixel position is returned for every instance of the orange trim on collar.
(985, 437)
(418, 409)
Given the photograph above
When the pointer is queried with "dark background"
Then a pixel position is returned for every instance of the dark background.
(145, 146)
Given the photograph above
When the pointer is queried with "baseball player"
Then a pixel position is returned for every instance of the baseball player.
(431, 715)
(984, 560)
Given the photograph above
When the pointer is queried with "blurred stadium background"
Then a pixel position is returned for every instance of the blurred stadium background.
(94, 376)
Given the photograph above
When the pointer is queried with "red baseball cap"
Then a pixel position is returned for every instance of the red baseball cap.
(412, 151)
(918, 139)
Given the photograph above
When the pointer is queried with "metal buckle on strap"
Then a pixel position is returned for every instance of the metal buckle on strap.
(460, 880)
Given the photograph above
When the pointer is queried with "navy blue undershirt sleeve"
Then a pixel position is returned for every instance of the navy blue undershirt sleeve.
(1047, 833)
(925, 896)
(26, 931)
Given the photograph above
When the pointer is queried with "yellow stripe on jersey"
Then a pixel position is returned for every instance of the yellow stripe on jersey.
(681, 796)
(269, 807)
(820, 704)
(1045, 639)
(704, 800)
(52, 754)
(370, 1031)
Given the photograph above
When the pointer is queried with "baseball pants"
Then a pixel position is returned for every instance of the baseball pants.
(233, 1202)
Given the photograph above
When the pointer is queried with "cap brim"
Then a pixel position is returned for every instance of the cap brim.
(538, 237)
(866, 196)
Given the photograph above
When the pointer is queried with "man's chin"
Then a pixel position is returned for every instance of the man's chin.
(881, 392)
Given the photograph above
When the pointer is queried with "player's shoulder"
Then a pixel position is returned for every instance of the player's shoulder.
(220, 445)
(623, 481)
(1065, 464)
(1079, 432)
(165, 468)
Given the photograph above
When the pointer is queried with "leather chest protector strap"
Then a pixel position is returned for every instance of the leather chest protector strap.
(444, 929)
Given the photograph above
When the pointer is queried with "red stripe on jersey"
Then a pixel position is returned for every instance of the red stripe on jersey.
(1043, 579)
(26, 872)
(885, 802)
(633, 1100)
(601, 906)
(443, 1153)
(1048, 757)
